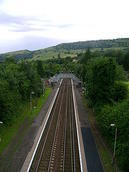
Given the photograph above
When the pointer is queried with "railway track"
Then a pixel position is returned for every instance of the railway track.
(58, 148)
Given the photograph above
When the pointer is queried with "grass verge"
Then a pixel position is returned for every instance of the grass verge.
(104, 152)
(8, 132)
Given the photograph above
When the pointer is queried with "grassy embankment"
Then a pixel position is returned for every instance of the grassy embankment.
(7, 133)
(104, 151)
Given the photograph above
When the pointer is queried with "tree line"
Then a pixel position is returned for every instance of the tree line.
(106, 85)
(82, 45)
(18, 79)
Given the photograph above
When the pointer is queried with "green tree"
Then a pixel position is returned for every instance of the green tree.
(100, 78)
(40, 69)
(86, 56)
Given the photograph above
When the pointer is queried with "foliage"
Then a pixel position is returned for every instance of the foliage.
(17, 80)
(7, 132)
(17, 55)
(120, 91)
(107, 92)
(126, 61)
(85, 57)
(94, 44)
(120, 73)
(118, 114)
(100, 77)
(116, 48)
(105, 81)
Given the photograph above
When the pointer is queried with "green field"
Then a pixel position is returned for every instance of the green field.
(49, 54)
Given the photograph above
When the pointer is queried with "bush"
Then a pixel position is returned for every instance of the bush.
(123, 155)
(120, 91)
(120, 73)
(118, 114)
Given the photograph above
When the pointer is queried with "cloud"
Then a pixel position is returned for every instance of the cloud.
(9, 19)
(70, 20)
(28, 24)
(20, 23)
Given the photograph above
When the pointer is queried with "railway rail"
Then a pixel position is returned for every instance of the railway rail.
(58, 148)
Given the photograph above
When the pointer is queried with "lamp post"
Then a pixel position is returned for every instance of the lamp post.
(1, 123)
(115, 139)
(34, 107)
(43, 85)
(32, 93)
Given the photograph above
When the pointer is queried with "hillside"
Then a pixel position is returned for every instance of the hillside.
(111, 43)
(68, 49)
(18, 55)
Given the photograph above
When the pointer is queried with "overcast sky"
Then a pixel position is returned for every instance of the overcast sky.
(33, 24)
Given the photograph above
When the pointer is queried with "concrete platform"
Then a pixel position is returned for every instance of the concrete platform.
(91, 153)
(83, 163)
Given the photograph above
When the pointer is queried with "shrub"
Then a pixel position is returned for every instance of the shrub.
(118, 114)
(120, 91)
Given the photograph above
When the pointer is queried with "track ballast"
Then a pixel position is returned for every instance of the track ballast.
(58, 148)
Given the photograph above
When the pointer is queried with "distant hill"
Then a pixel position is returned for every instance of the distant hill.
(68, 49)
(111, 43)
(18, 55)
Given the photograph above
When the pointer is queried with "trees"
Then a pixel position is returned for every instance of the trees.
(17, 80)
(100, 77)
(40, 69)
(86, 56)
(107, 92)
(118, 114)
(126, 61)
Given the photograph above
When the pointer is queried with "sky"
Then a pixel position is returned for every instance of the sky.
(35, 24)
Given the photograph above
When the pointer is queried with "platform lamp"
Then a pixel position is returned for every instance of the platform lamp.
(115, 139)
(32, 93)
(1, 123)
(43, 86)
